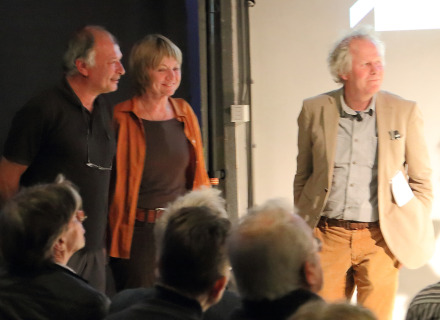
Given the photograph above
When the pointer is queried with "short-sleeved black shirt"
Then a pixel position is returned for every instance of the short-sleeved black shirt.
(53, 133)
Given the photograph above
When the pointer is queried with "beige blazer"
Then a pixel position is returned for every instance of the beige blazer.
(408, 230)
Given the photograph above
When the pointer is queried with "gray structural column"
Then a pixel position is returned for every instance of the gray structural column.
(228, 99)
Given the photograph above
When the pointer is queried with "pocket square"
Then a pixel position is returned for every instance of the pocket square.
(394, 134)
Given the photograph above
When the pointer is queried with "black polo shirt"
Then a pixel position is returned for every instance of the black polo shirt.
(53, 133)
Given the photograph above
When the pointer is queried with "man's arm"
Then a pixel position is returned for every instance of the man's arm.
(304, 161)
(417, 160)
(10, 173)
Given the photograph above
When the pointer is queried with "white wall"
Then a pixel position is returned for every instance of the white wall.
(290, 40)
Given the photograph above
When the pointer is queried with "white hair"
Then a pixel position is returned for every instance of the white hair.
(268, 250)
(203, 197)
(339, 59)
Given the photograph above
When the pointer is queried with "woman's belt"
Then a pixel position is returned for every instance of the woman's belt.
(149, 215)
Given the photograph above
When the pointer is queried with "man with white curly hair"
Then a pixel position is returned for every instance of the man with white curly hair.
(363, 178)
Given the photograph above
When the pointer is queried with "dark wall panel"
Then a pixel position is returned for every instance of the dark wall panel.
(33, 35)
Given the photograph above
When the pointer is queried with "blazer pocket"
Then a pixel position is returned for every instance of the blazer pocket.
(308, 201)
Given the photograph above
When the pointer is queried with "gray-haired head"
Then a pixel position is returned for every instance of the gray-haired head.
(268, 251)
(339, 59)
(31, 222)
(203, 197)
(81, 46)
(192, 254)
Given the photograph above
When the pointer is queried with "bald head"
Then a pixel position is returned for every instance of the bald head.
(81, 45)
(268, 250)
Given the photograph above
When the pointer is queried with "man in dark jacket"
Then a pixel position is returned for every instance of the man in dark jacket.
(40, 229)
(193, 268)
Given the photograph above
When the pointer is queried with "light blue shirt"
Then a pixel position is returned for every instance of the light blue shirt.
(353, 194)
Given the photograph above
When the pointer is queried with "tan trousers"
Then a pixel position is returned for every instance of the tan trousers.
(361, 259)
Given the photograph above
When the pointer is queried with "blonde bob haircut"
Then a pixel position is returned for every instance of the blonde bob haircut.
(147, 54)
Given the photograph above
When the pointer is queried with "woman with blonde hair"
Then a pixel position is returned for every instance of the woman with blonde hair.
(159, 157)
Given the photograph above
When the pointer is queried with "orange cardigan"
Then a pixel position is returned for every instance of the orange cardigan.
(129, 165)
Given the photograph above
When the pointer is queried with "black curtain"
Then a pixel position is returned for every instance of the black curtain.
(33, 37)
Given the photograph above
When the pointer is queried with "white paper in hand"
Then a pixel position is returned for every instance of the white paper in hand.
(402, 193)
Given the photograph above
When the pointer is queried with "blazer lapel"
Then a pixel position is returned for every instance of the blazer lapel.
(383, 118)
(331, 114)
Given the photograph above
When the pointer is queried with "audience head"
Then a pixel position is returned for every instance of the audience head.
(340, 58)
(39, 223)
(203, 197)
(146, 55)
(319, 310)
(192, 257)
(273, 252)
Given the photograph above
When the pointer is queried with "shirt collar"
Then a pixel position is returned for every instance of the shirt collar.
(168, 294)
(65, 267)
(347, 110)
(70, 94)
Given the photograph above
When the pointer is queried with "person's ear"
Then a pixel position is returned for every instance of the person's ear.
(60, 244)
(216, 292)
(82, 67)
(313, 277)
